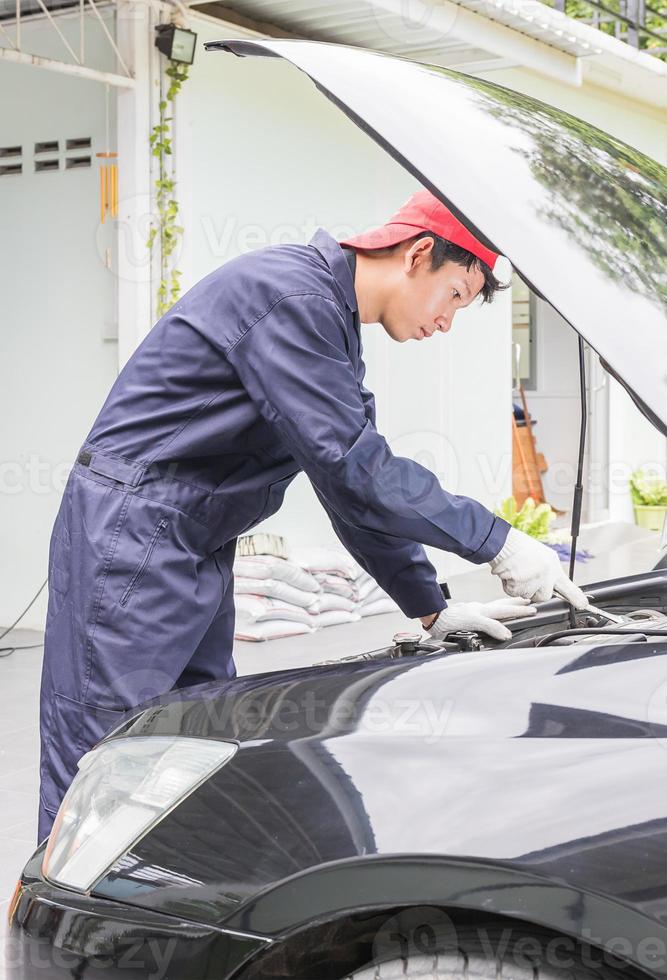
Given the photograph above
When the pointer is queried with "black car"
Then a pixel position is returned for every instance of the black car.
(429, 810)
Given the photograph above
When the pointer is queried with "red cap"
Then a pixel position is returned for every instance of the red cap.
(423, 212)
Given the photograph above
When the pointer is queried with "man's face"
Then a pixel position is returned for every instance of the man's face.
(421, 302)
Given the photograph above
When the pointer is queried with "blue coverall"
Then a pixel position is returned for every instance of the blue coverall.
(254, 375)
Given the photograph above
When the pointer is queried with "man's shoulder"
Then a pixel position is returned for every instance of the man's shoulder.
(228, 301)
(260, 279)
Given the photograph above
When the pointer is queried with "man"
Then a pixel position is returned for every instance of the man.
(254, 375)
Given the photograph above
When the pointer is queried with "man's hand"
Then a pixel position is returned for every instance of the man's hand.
(483, 617)
(529, 569)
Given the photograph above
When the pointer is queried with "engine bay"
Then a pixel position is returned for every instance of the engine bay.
(638, 601)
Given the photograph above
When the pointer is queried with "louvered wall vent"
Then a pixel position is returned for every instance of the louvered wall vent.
(72, 163)
(47, 146)
(83, 143)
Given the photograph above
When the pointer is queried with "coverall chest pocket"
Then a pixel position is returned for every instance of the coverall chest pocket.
(140, 570)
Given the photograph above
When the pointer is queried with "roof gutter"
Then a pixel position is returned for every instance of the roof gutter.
(521, 32)
(544, 40)
(605, 61)
(481, 31)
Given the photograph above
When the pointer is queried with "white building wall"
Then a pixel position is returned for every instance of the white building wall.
(265, 158)
(58, 304)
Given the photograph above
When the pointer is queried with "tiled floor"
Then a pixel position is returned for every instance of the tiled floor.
(618, 550)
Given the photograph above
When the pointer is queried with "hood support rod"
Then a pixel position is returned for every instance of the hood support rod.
(579, 485)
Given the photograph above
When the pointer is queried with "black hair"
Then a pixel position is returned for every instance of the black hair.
(444, 251)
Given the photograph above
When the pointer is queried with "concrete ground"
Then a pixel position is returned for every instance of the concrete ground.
(619, 549)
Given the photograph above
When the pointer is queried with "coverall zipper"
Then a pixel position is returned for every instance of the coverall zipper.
(134, 581)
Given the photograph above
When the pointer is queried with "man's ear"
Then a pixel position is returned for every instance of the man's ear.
(418, 255)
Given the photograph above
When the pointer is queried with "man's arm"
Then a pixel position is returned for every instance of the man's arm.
(293, 363)
(399, 567)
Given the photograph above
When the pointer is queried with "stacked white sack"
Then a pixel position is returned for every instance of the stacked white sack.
(372, 600)
(327, 561)
(347, 588)
(317, 587)
(274, 598)
(336, 573)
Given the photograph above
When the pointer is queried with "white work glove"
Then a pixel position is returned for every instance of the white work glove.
(529, 569)
(482, 617)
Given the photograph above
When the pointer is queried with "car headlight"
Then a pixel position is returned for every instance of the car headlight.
(123, 788)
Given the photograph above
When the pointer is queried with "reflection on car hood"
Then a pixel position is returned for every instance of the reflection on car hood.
(581, 215)
(414, 756)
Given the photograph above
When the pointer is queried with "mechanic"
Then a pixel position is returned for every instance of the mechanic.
(253, 376)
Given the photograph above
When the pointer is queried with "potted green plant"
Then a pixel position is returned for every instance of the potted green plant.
(649, 498)
(534, 519)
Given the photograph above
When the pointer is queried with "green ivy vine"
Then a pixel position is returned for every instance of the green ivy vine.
(166, 232)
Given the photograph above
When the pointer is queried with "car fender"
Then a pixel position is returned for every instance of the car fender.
(343, 887)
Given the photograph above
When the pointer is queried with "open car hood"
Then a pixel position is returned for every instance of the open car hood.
(581, 215)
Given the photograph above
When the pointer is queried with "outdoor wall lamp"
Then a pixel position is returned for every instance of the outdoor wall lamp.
(176, 42)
